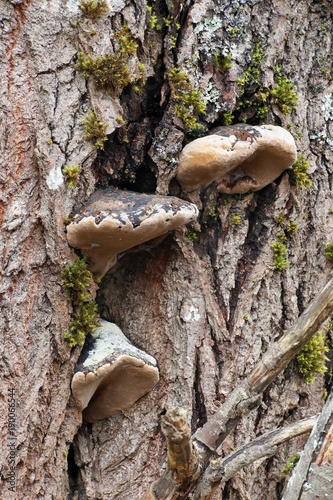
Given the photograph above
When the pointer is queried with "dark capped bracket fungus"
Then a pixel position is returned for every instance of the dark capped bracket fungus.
(112, 222)
(111, 374)
(238, 158)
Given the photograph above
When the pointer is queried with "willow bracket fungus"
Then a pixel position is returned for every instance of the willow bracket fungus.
(112, 222)
(111, 374)
(239, 158)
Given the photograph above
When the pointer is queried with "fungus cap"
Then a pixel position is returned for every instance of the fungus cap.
(111, 374)
(238, 158)
(113, 222)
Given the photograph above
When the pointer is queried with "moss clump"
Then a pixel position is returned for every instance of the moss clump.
(111, 71)
(299, 173)
(292, 228)
(283, 94)
(222, 63)
(281, 237)
(192, 235)
(153, 22)
(94, 130)
(236, 220)
(279, 219)
(252, 74)
(291, 464)
(228, 118)
(328, 252)
(280, 262)
(93, 9)
(189, 103)
(253, 96)
(76, 281)
(72, 174)
(312, 360)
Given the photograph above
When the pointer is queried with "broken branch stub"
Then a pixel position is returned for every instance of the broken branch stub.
(182, 456)
(111, 374)
(112, 222)
(239, 158)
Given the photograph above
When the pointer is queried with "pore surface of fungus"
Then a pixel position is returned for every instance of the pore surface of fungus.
(111, 374)
(239, 158)
(112, 222)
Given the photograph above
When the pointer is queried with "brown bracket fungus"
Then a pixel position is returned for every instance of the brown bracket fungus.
(111, 374)
(112, 222)
(238, 158)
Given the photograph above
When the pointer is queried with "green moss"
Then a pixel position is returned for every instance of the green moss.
(252, 74)
(312, 360)
(228, 118)
(283, 94)
(328, 252)
(292, 227)
(153, 23)
(255, 99)
(189, 103)
(280, 262)
(236, 220)
(291, 464)
(94, 130)
(191, 235)
(211, 211)
(120, 120)
(281, 237)
(72, 174)
(253, 103)
(93, 9)
(222, 63)
(280, 220)
(233, 32)
(298, 174)
(111, 71)
(76, 281)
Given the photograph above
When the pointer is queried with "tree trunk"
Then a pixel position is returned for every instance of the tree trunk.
(206, 302)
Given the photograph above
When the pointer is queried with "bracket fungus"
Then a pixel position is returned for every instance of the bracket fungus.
(239, 158)
(111, 374)
(112, 222)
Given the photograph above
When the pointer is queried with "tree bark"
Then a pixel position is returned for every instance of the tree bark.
(206, 309)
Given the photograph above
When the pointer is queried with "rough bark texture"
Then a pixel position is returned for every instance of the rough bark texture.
(205, 309)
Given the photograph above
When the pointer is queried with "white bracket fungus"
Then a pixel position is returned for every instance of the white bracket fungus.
(111, 374)
(238, 158)
(113, 222)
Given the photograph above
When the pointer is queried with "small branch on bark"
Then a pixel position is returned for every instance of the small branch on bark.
(274, 361)
(241, 401)
(183, 466)
(221, 470)
(182, 456)
(308, 460)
